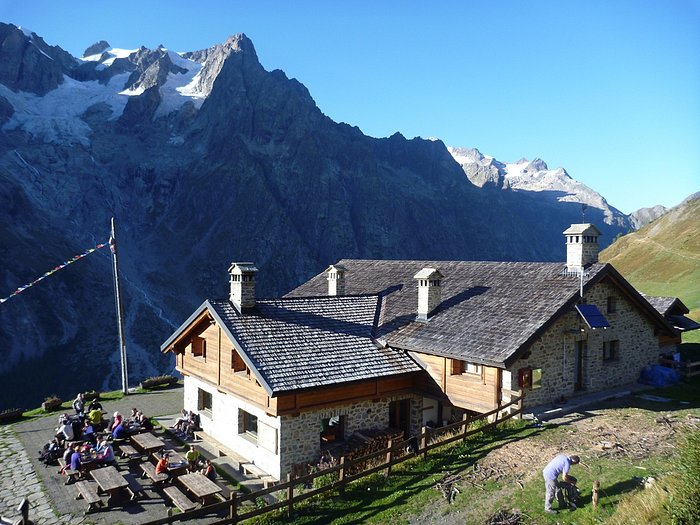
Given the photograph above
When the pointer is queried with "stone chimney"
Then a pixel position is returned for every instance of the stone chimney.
(581, 246)
(429, 296)
(336, 279)
(242, 281)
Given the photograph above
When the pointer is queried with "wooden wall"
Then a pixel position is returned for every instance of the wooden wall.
(479, 393)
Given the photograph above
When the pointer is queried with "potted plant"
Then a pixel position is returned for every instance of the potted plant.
(51, 403)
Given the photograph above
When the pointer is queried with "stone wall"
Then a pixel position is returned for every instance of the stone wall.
(555, 352)
(300, 435)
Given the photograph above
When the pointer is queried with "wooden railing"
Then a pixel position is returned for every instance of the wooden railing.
(687, 369)
(381, 460)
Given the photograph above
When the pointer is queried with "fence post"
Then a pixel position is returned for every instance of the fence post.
(465, 422)
(290, 496)
(233, 511)
(170, 515)
(424, 441)
(341, 475)
(390, 443)
(594, 494)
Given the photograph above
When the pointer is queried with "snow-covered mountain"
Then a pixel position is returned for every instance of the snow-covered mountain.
(534, 176)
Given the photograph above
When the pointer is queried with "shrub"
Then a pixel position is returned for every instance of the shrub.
(152, 382)
(51, 403)
(92, 394)
(11, 413)
(684, 501)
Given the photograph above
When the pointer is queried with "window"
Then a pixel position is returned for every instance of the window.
(199, 347)
(333, 429)
(204, 400)
(472, 368)
(536, 378)
(612, 304)
(237, 363)
(611, 350)
(464, 367)
(247, 424)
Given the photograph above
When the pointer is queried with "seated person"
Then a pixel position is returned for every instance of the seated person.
(75, 461)
(95, 417)
(209, 470)
(120, 432)
(162, 465)
(95, 405)
(192, 457)
(105, 452)
(192, 425)
(89, 432)
(65, 432)
(79, 405)
(115, 421)
(143, 421)
(181, 421)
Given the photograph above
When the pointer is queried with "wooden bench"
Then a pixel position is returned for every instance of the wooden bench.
(179, 499)
(251, 469)
(127, 451)
(88, 492)
(268, 481)
(71, 475)
(150, 470)
(134, 488)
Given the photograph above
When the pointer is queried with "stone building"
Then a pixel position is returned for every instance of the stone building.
(378, 343)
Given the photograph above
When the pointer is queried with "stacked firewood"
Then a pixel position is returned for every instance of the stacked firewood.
(505, 517)
(365, 442)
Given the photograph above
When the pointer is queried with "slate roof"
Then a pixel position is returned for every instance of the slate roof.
(490, 311)
(672, 308)
(301, 343)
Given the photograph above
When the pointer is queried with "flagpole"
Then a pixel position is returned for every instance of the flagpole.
(120, 316)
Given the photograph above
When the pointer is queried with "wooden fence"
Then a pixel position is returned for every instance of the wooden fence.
(687, 369)
(379, 461)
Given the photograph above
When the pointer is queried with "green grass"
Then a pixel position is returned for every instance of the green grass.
(409, 491)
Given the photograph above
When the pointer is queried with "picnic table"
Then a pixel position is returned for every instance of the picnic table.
(177, 464)
(199, 485)
(147, 442)
(110, 480)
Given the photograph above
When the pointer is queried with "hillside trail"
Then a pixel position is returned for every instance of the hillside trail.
(685, 255)
(615, 431)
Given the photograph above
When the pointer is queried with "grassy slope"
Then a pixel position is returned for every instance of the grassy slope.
(663, 258)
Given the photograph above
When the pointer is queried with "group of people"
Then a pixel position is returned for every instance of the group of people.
(195, 463)
(187, 423)
(120, 427)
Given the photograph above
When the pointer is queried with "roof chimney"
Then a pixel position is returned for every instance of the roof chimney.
(336, 279)
(428, 292)
(581, 246)
(242, 281)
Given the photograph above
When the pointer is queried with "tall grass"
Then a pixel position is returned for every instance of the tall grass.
(684, 502)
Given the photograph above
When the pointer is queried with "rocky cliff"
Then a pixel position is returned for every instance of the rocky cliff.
(204, 158)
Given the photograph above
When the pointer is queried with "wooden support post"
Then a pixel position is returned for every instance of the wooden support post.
(341, 475)
(290, 496)
(594, 495)
(388, 459)
(465, 419)
(233, 511)
(170, 515)
(424, 441)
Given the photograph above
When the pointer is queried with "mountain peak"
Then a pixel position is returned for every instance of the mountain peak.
(96, 48)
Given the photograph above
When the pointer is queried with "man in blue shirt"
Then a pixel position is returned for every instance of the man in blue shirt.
(559, 465)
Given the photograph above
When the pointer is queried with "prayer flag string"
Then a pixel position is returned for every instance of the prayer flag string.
(55, 269)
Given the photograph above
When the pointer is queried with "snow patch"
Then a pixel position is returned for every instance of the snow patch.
(55, 117)
(181, 87)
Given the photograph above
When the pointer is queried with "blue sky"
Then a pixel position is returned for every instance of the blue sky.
(610, 90)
